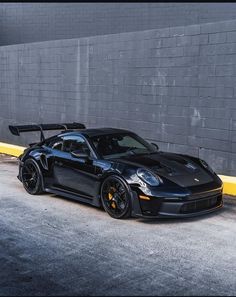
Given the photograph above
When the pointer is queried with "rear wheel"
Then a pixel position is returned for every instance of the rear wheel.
(115, 197)
(31, 177)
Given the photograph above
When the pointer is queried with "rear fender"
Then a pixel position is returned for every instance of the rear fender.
(42, 157)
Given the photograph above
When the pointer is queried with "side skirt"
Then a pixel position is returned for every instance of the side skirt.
(69, 194)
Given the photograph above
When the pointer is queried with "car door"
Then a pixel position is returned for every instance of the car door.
(72, 172)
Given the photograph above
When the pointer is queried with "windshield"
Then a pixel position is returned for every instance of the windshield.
(120, 145)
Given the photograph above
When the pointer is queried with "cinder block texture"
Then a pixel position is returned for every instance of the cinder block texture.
(32, 22)
(178, 92)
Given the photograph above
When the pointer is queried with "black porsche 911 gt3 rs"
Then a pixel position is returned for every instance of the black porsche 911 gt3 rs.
(118, 170)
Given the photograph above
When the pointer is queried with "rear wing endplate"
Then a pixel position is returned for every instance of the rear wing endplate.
(16, 130)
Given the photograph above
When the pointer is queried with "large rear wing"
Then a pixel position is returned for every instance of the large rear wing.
(16, 130)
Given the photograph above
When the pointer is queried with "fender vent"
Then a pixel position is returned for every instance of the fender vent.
(44, 161)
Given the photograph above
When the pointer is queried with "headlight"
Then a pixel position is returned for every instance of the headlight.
(148, 177)
(204, 164)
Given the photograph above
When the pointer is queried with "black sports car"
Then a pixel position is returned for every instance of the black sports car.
(118, 170)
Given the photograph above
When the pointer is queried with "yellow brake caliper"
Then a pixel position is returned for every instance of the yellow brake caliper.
(110, 196)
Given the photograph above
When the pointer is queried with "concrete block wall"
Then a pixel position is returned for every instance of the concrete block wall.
(31, 22)
(175, 86)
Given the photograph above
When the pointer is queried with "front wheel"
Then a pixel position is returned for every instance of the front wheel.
(115, 197)
(31, 177)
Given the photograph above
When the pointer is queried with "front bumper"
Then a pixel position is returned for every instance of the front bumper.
(194, 204)
(186, 209)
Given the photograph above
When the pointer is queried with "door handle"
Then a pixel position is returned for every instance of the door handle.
(58, 163)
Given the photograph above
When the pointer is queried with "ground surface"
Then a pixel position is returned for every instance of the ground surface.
(53, 246)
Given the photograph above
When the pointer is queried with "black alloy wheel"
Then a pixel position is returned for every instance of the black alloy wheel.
(115, 197)
(31, 177)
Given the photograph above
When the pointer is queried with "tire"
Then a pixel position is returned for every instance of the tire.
(31, 177)
(115, 197)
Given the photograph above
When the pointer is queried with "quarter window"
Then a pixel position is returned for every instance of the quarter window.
(56, 143)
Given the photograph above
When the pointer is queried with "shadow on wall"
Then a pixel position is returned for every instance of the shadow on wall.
(32, 22)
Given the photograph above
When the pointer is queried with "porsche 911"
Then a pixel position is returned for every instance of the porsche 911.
(119, 171)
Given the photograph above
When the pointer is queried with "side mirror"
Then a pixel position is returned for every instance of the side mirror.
(155, 145)
(79, 154)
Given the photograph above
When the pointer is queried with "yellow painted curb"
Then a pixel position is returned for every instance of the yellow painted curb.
(229, 182)
(10, 149)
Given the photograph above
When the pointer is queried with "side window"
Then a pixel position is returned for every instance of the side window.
(75, 143)
(56, 143)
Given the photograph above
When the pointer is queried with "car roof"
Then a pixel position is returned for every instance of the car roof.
(95, 132)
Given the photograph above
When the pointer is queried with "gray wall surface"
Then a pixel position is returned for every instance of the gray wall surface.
(30, 22)
(175, 86)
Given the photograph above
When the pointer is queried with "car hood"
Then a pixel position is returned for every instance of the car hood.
(179, 169)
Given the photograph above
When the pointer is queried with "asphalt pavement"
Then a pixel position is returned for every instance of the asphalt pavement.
(50, 245)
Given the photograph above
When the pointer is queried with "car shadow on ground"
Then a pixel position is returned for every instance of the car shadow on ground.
(77, 202)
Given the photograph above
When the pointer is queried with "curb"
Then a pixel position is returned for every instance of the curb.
(229, 182)
(10, 149)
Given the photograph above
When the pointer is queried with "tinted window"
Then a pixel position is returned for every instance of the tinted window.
(117, 145)
(75, 143)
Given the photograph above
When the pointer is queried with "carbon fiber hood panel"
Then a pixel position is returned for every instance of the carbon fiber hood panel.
(179, 169)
